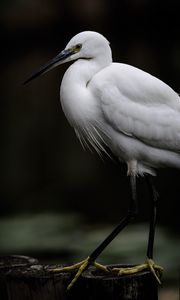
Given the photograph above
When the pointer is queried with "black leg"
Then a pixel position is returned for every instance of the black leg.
(127, 219)
(153, 204)
(132, 211)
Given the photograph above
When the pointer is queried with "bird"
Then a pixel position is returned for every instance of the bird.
(120, 109)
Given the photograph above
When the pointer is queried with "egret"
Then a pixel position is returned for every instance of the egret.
(122, 108)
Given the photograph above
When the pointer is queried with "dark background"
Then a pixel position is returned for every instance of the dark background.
(54, 196)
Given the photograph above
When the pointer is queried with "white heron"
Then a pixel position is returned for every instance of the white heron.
(120, 107)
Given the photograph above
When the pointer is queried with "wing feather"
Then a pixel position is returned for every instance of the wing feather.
(140, 105)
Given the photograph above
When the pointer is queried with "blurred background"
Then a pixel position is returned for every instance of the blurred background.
(58, 201)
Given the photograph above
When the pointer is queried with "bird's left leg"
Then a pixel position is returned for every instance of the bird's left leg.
(155, 269)
(149, 263)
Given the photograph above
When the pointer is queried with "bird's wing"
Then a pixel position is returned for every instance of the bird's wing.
(139, 105)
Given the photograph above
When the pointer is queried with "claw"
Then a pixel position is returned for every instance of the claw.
(68, 268)
(154, 269)
(81, 266)
(149, 264)
(101, 267)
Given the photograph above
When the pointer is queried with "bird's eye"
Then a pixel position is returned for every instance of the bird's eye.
(78, 47)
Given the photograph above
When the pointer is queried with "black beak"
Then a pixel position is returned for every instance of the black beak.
(51, 64)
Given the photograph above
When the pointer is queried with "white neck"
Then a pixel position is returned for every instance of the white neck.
(76, 97)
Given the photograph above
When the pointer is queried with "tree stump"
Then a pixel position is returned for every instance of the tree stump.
(23, 278)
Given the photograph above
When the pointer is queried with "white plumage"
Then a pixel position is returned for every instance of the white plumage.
(117, 105)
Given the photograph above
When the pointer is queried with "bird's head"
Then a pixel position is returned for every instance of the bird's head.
(84, 45)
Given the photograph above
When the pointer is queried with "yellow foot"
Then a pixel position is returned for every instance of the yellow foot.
(81, 266)
(149, 264)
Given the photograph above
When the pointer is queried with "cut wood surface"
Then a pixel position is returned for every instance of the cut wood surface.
(24, 278)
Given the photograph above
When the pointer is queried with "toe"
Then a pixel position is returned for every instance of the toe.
(83, 266)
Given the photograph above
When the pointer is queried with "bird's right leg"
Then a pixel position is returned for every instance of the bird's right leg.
(91, 259)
